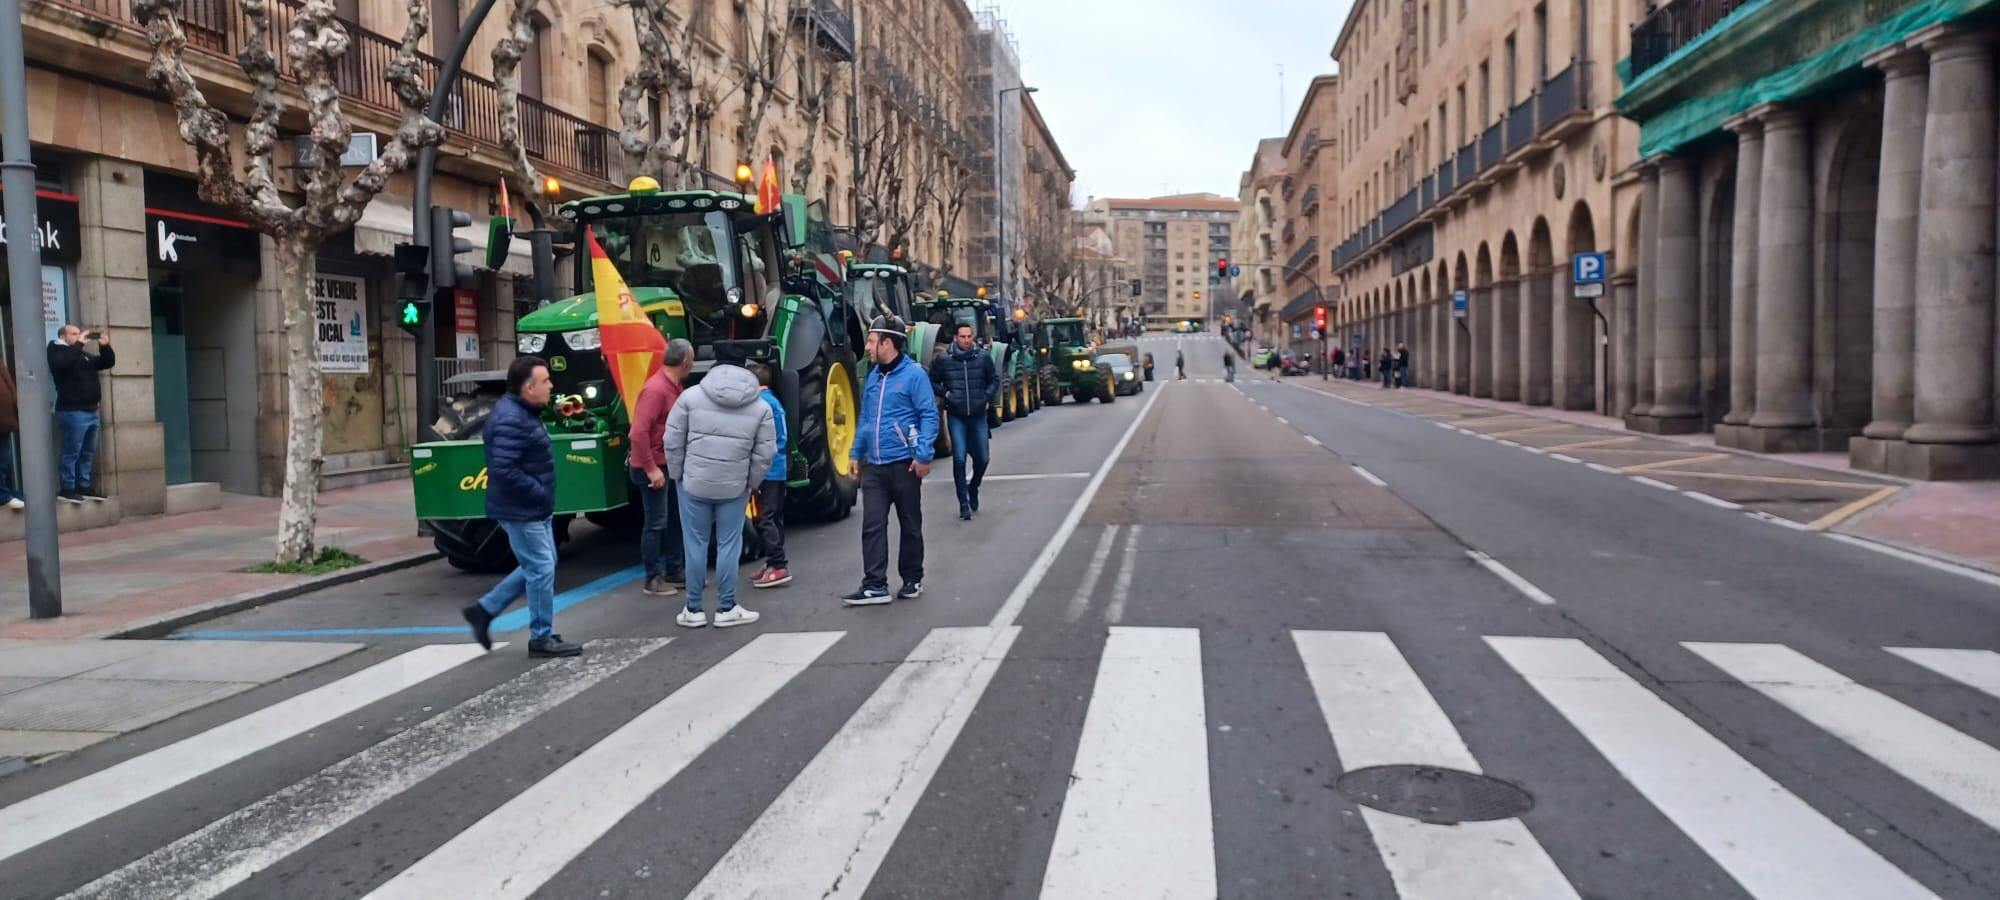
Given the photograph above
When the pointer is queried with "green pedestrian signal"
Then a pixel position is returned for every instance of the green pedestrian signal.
(411, 317)
(411, 314)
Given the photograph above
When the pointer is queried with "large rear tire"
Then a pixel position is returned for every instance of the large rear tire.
(829, 415)
(1052, 394)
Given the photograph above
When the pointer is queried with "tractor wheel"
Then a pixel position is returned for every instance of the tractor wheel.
(829, 418)
(1025, 396)
(1010, 402)
(471, 545)
(1108, 388)
(1051, 386)
(996, 412)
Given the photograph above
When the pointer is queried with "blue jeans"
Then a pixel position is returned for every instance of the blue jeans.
(79, 449)
(726, 517)
(7, 489)
(968, 436)
(534, 546)
(659, 538)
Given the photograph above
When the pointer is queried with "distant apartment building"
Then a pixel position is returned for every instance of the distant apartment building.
(1176, 241)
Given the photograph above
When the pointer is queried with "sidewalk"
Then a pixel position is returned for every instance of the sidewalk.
(142, 570)
(1956, 522)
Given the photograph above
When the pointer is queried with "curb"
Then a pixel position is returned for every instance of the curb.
(162, 625)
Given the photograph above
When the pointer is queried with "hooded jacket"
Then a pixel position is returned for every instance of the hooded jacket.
(899, 415)
(721, 436)
(967, 379)
(520, 469)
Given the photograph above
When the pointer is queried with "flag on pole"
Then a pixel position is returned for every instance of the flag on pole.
(632, 347)
(768, 195)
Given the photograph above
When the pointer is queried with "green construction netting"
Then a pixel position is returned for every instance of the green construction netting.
(1694, 118)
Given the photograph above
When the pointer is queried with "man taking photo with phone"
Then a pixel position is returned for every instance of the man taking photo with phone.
(75, 358)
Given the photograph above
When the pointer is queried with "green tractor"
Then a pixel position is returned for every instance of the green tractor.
(943, 315)
(1070, 364)
(704, 266)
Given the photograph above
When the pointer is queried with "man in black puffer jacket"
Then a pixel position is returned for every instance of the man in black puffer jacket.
(966, 377)
(521, 496)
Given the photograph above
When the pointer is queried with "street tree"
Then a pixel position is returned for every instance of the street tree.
(303, 66)
(658, 102)
(950, 210)
(816, 83)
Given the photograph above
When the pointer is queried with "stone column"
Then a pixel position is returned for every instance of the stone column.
(1905, 104)
(1676, 295)
(1952, 435)
(1743, 282)
(113, 290)
(1538, 339)
(1639, 367)
(1461, 349)
(1437, 367)
(1481, 305)
(1506, 333)
(1784, 417)
(1573, 371)
(1624, 341)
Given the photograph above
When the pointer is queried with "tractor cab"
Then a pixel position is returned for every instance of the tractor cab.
(881, 289)
(947, 313)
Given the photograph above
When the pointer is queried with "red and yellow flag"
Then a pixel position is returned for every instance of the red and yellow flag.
(768, 195)
(632, 347)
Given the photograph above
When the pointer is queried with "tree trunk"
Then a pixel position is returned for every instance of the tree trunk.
(306, 398)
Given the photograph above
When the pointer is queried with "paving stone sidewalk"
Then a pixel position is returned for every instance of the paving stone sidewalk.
(144, 569)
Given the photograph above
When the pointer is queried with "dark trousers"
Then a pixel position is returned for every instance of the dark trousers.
(883, 486)
(771, 522)
(660, 537)
(968, 439)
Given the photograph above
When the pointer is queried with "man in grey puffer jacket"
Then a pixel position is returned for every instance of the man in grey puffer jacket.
(720, 440)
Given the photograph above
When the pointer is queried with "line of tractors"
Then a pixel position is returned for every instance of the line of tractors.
(708, 267)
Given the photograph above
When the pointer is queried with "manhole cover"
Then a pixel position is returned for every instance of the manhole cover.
(1434, 795)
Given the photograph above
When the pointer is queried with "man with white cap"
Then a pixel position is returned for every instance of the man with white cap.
(899, 426)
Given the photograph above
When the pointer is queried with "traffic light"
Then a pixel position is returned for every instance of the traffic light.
(1319, 319)
(1221, 269)
(411, 315)
(446, 271)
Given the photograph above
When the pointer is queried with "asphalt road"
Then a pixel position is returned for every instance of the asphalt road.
(1144, 671)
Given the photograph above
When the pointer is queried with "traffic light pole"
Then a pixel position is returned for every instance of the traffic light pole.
(420, 226)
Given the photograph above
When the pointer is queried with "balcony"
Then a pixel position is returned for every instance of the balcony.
(551, 136)
(1520, 125)
(1291, 230)
(1301, 256)
(1564, 104)
(1468, 164)
(1490, 150)
(1310, 199)
(1674, 26)
(832, 29)
(1447, 179)
(1301, 305)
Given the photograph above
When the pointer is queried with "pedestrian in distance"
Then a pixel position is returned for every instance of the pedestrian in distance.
(521, 497)
(721, 440)
(1339, 363)
(899, 424)
(10, 424)
(1402, 365)
(771, 494)
(1149, 367)
(1180, 364)
(660, 537)
(1386, 368)
(73, 370)
(1228, 366)
(968, 381)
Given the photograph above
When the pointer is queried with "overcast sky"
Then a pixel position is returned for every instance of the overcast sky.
(1150, 97)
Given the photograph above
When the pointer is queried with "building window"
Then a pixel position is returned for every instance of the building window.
(1513, 65)
(598, 86)
(1541, 43)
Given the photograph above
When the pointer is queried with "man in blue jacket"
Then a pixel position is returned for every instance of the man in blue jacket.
(968, 380)
(521, 496)
(899, 424)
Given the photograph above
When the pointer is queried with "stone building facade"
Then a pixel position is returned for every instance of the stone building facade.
(1311, 181)
(1175, 242)
(1254, 243)
(1815, 249)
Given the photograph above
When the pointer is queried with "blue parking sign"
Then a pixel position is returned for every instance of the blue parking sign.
(1587, 268)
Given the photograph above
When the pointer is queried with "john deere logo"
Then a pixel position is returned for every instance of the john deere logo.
(580, 459)
(473, 482)
(558, 364)
(425, 469)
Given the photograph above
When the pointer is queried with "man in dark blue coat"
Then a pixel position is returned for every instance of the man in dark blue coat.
(968, 381)
(521, 496)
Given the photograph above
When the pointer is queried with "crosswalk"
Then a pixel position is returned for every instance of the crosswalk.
(1136, 816)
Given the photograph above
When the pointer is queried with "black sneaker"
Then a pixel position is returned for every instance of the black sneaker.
(965, 513)
(868, 596)
(70, 497)
(973, 494)
(551, 647)
(480, 620)
(677, 579)
(911, 590)
(92, 494)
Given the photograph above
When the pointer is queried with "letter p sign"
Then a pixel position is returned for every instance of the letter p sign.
(1587, 268)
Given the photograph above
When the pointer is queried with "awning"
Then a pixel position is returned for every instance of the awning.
(384, 224)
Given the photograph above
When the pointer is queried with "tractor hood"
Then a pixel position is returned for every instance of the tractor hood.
(580, 311)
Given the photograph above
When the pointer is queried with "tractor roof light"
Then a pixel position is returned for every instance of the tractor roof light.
(750, 310)
(1020, 314)
(644, 184)
(744, 175)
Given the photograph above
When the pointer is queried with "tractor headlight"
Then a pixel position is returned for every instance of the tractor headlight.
(585, 339)
(1081, 365)
(590, 391)
(531, 343)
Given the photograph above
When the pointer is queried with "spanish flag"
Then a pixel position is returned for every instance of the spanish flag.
(632, 347)
(768, 195)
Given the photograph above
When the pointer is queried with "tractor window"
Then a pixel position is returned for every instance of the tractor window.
(1070, 333)
(678, 251)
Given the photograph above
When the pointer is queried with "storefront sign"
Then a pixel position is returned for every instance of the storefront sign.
(191, 242)
(55, 300)
(465, 321)
(339, 312)
(56, 225)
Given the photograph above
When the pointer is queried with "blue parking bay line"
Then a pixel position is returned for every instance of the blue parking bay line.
(515, 619)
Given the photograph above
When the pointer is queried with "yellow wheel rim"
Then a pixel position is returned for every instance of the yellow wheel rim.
(840, 418)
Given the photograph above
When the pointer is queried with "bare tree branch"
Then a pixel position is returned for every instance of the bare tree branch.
(507, 54)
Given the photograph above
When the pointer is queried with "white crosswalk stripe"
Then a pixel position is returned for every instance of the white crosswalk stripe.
(1135, 818)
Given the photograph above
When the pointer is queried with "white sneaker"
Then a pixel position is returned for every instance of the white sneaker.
(736, 615)
(15, 503)
(689, 618)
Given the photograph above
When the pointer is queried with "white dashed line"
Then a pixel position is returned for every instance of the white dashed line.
(1536, 450)
(1486, 437)
(1654, 483)
(1986, 578)
(1508, 443)
(1372, 479)
(1507, 575)
(1712, 501)
(1779, 520)
(1284, 421)
(1600, 467)
(1565, 458)
(1444, 425)
(1314, 441)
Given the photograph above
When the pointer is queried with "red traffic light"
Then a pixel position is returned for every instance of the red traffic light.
(1222, 267)
(1319, 317)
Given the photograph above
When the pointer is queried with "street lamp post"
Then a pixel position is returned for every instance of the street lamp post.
(1000, 179)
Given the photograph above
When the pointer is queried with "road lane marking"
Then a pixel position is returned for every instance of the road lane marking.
(1943, 760)
(1673, 463)
(1653, 483)
(1035, 477)
(1716, 502)
(1526, 587)
(1379, 713)
(1371, 476)
(1136, 820)
(1535, 450)
(1314, 441)
(1979, 669)
(1982, 577)
(1121, 589)
(1565, 458)
(1763, 516)
(830, 829)
(58, 811)
(1600, 467)
(1850, 510)
(1444, 425)
(1284, 421)
(515, 849)
(1507, 443)
(1080, 601)
(1773, 843)
(1039, 569)
(1596, 443)
(231, 849)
